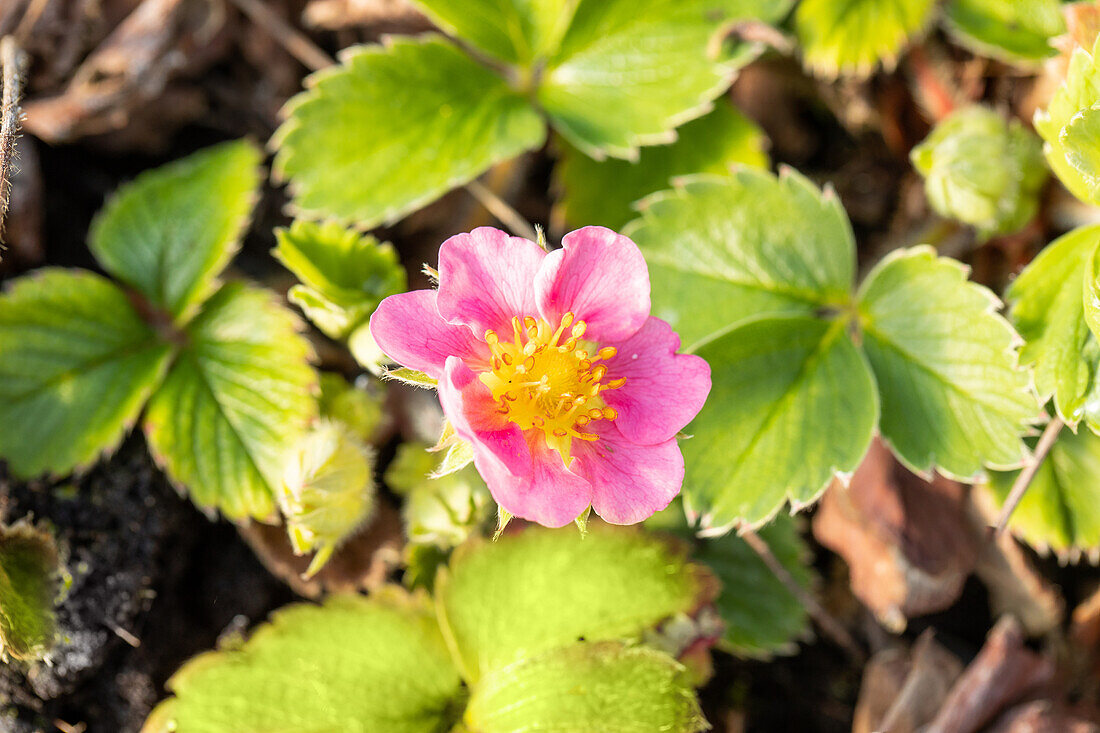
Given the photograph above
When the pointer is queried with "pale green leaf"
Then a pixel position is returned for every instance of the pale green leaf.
(238, 397)
(1081, 91)
(395, 126)
(1080, 142)
(29, 574)
(762, 617)
(359, 409)
(458, 455)
(171, 231)
(982, 170)
(1091, 293)
(411, 377)
(1010, 30)
(953, 396)
(1061, 509)
(513, 31)
(604, 686)
(1048, 311)
(855, 36)
(723, 249)
(630, 71)
(344, 274)
(353, 665)
(76, 366)
(541, 589)
(793, 404)
(602, 192)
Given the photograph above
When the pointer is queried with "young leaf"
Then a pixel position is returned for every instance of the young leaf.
(1049, 313)
(171, 231)
(1081, 91)
(513, 31)
(353, 664)
(855, 36)
(396, 126)
(793, 404)
(76, 366)
(603, 686)
(360, 410)
(1010, 30)
(542, 589)
(28, 590)
(982, 170)
(953, 397)
(769, 619)
(344, 274)
(237, 398)
(1079, 140)
(602, 192)
(629, 71)
(723, 249)
(1061, 509)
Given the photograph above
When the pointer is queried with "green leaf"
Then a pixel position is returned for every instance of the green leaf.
(855, 36)
(629, 71)
(982, 170)
(358, 409)
(238, 397)
(171, 231)
(1061, 509)
(29, 573)
(345, 274)
(1079, 141)
(1092, 293)
(602, 192)
(370, 665)
(76, 366)
(1010, 30)
(605, 686)
(1081, 91)
(541, 589)
(953, 397)
(793, 404)
(394, 127)
(513, 31)
(723, 249)
(1049, 313)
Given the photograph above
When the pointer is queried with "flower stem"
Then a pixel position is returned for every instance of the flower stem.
(1027, 475)
(12, 64)
(502, 210)
(829, 625)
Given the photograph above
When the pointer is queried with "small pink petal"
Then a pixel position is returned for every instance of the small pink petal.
(472, 411)
(602, 278)
(664, 390)
(486, 278)
(630, 482)
(408, 329)
(551, 496)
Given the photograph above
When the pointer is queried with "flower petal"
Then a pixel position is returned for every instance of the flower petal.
(602, 278)
(551, 496)
(664, 390)
(486, 278)
(408, 329)
(630, 482)
(472, 411)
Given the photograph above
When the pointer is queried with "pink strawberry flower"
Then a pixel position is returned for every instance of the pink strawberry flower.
(551, 366)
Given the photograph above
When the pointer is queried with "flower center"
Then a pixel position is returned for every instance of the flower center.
(545, 382)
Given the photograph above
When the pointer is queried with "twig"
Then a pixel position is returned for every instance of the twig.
(832, 628)
(294, 41)
(499, 208)
(12, 64)
(940, 100)
(1023, 481)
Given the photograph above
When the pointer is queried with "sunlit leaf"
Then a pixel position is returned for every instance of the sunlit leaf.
(371, 665)
(1080, 92)
(855, 36)
(953, 396)
(171, 232)
(513, 31)
(76, 366)
(236, 399)
(603, 686)
(1012, 30)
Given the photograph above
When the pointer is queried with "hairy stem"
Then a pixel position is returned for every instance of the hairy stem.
(502, 210)
(12, 65)
(829, 625)
(1027, 475)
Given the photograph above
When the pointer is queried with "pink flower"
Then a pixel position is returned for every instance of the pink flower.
(551, 366)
